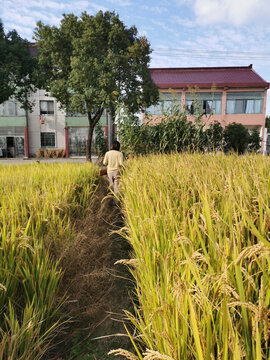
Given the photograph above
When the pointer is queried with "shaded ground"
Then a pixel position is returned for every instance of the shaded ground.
(98, 290)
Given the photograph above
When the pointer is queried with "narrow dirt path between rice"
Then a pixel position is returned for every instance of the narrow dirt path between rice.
(98, 290)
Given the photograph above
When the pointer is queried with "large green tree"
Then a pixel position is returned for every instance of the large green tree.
(17, 68)
(236, 138)
(93, 63)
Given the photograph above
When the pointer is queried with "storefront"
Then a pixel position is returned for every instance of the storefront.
(77, 134)
(77, 139)
(13, 130)
(12, 142)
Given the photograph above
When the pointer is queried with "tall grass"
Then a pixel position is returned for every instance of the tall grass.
(199, 226)
(36, 206)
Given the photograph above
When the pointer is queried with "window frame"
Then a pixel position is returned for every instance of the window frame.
(42, 140)
(243, 97)
(17, 107)
(166, 101)
(47, 112)
(203, 99)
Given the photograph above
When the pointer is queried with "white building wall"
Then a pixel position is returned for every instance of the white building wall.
(53, 123)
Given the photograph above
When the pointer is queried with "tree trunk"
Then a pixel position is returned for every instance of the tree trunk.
(92, 123)
(89, 141)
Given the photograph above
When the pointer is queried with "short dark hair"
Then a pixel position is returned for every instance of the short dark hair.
(115, 145)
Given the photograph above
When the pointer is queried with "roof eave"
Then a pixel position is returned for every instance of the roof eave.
(212, 85)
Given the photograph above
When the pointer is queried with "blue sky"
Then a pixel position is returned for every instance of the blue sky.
(182, 33)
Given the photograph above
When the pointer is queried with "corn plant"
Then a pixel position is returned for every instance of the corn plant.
(199, 226)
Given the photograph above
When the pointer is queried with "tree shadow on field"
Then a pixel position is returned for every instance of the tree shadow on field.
(98, 290)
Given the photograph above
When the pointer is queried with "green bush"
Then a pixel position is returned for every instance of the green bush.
(236, 138)
(100, 141)
(174, 133)
(254, 140)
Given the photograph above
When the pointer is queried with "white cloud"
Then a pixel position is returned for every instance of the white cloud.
(236, 12)
(23, 14)
(183, 21)
(121, 2)
(156, 9)
(163, 25)
(72, 6)
(184, 2)
(27, 31)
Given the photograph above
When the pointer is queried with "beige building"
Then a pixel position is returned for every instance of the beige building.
(223, 94)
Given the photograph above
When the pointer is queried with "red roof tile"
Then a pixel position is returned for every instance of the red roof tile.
(206, 77)
(33, 49)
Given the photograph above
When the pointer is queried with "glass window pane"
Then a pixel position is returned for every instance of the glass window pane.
(189, 107)
(50, 107)
(230, 107)
(249, 107)
(19, 110)
(167, 100)
(77, 139)
(245, 95)
(154, 109)
(203, 96)
(240, 106)
(46, 107)
(258, 106)
(47, 139)
(43, 107)
(2, 109)
(11, 108)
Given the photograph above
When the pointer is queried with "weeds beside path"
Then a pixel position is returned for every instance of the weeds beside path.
(98, 290)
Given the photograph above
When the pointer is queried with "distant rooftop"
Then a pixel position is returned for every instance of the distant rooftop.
(33, 49)
(207, 77)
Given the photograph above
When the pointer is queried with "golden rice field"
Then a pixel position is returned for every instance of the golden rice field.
(199, 226)
(36, 205)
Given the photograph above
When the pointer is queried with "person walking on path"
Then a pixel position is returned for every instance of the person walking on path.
(114, 161)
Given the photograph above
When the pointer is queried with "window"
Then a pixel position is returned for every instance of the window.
(47, 139)
(203, 103)
(167, 100)
(245, 102)
(46, 107)
(11, 108)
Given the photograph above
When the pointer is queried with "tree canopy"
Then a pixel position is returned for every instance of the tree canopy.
(93, 63)
(237, 138)
(17, 68)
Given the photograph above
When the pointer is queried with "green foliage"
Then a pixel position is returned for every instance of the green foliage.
(214, 136)
(18, 69)
(267, 122)
(236, 138)
(254, 140)
(174, 133)
(100, 140)
(92, 63)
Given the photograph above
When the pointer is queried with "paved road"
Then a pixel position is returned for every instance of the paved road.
(21, 161)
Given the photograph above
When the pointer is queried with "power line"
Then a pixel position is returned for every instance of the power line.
(211, 51)
(212, 54)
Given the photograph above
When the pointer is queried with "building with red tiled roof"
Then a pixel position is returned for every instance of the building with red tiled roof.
(226, 94)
